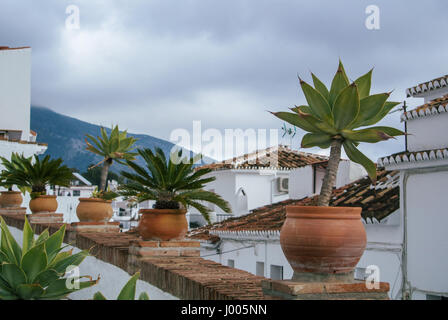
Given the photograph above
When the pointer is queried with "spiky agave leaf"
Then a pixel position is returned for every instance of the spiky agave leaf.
(335, 114)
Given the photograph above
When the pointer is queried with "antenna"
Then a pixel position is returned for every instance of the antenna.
(405, 129)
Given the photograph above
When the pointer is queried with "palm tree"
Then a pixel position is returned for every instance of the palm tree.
(35, 175)
(173, 184)
(331, 117)
(117, 146)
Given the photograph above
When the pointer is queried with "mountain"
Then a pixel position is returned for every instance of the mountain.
(65, 138)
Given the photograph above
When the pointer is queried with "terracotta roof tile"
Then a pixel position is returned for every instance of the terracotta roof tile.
(434, 107)
(427, 86)
(377, 202)
(276, 157)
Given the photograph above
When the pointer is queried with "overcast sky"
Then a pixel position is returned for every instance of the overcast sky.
(153, 66)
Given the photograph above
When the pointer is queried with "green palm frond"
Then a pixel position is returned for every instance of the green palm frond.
(172, 180)
(35, 173)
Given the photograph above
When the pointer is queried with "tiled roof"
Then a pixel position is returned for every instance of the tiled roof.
(434, 107)
(417, 156)
(377, 202)
(280, 157)
(427, 86)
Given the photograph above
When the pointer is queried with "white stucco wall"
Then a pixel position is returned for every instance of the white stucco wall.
(428, 133)
(427, 222)
(15, 90)
(9, 147)
(112, 278)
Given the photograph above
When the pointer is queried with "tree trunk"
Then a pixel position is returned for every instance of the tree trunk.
(331, 174)
(104, 173)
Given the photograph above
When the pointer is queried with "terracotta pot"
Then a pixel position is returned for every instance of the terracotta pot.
(11, 199)
(94, 210)
(163, 224)
(324, 240)
(44, 204)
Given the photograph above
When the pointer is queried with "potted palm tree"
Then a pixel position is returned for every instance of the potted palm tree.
(114, 147)
(330, 240)
(175, 185)
(9, 198)
(33, 174)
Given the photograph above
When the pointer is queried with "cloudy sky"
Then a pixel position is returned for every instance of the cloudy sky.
(153, 66)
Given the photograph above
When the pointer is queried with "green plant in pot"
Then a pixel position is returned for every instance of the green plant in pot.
(9, 198)
(117, 146)
(175, 185)
(330, 240)
(98, 207)
(39, 270)
(34, 174)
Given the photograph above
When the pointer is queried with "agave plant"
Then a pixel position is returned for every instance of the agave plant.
(333, 117)
(34, 174)
(36, 271)
(127, 292)
(116, 146)
(173, 183)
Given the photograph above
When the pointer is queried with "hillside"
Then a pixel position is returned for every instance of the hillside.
(65, 137)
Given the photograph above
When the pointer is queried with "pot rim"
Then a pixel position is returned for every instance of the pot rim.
(94, 200)
(45, 196)
(315, 212)
(10, 192)
(162, 211)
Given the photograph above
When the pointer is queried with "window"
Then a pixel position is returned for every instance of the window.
(76, 193)
(231, 263)
(276, 272)
(260, 269)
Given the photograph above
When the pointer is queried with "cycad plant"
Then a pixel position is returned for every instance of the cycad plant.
(114, 147)
(37, 270)
(34, 174)
(173, 183)
(341, 116)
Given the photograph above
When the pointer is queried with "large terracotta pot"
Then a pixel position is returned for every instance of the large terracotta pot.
(163, 224)
(44, 204)
(323, 240)
(11, 199)
(94, 210)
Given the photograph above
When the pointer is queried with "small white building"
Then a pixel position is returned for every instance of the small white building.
(423, 182)
(15, 104)
(262, 177)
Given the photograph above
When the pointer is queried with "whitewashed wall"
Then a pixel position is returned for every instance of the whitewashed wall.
(428, 132)
(427, 223)
(15, 90)
(112, 278)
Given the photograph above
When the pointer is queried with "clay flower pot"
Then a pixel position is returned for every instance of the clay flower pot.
(163, 224)
(11, 199)
(44, 204)
(94, 210)
(323, 240)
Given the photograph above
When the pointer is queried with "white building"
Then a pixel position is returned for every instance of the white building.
(15, 99)
(423, 182)
(405, 213)
(260, 178)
